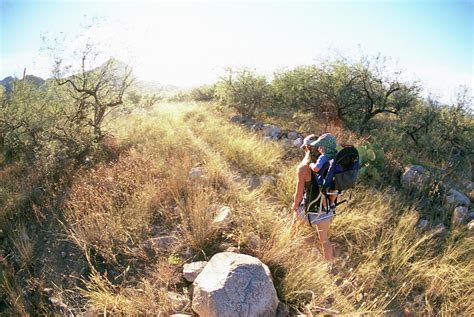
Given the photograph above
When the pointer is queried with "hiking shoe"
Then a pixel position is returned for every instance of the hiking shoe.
(332, 207)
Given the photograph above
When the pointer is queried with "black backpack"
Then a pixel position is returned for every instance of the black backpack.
(342, 170)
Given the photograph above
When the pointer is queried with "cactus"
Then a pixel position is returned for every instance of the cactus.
(371, 160)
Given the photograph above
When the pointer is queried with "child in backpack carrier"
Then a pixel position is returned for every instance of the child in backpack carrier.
(326, 145)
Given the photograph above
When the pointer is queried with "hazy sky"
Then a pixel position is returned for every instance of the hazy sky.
(190, 42)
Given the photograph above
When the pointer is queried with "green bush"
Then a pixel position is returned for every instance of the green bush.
(244, 91)
(203, 93)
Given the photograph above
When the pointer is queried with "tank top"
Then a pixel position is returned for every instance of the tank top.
(311, 192)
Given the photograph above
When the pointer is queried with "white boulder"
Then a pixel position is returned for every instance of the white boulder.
(233, 284)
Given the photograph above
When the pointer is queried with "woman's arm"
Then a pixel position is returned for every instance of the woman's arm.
(299, 187)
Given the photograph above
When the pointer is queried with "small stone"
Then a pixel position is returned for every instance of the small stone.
(455, 198)
(293, 135)
(470, 226)
(223, 215)
(267, 179)
(422, 223)
(58, 303)
(63, 254)
(253, 241)
(253, 182)
(232, 249)
(439, 230)
(192, 270)
(155, 244)
(272, 131)
(196, 173)
(298, 142)
(415, 176)
(459, 214)
(178, 299)
(236, 118)
(48, 291)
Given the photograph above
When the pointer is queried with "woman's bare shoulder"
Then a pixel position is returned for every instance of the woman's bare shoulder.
(303, 169)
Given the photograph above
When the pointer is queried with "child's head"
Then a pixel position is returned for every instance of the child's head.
(322, 149)
(326, 144)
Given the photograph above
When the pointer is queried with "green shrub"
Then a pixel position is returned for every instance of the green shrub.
(244, 91)
(203, 93)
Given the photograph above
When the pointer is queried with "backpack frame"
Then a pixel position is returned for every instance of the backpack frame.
(339, 174)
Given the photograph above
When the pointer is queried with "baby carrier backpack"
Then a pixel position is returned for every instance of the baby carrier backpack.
(336, 176)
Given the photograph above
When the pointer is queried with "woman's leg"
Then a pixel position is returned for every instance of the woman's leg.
(323, 233)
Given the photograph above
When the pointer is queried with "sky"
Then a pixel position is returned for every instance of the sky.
(189, 43)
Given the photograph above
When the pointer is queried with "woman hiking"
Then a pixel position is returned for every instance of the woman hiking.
(317, 152)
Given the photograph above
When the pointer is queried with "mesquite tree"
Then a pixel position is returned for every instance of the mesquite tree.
(96, 84)
(96, 92)
(379, 90)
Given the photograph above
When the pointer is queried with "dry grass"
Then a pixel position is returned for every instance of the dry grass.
(386, 262)
(105, 208)
(23, 245)
(152, 295)
(12, 291)
(238, 146)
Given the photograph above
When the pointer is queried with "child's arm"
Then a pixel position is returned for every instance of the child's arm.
(314, 167)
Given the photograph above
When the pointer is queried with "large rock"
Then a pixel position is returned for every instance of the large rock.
(234, 284)
(415, 176)
(455, 198)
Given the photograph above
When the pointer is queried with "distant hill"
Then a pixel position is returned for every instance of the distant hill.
(155, 87)
(7, 82)
(142, 85)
